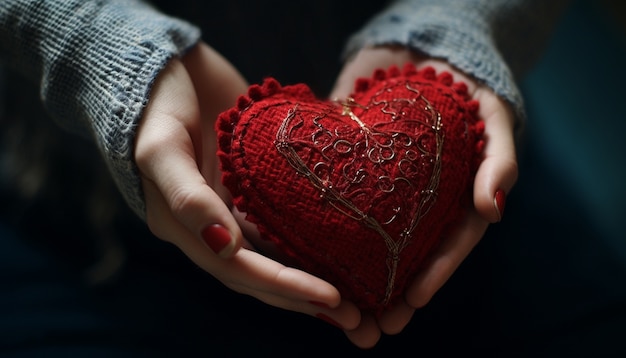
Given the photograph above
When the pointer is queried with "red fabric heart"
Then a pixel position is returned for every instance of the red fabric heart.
(358, 193)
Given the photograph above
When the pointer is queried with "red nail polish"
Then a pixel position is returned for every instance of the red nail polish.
(499, 202)
(216, 237)
(327, 319)
(319, 304)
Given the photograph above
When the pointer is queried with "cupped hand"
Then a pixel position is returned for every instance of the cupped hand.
(495, 177)
(186, 205)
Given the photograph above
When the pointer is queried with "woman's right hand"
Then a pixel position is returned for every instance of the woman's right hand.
(186, 204)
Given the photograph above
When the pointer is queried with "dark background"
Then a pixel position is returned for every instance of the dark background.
(546, 281)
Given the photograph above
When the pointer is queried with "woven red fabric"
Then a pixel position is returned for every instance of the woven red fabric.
(359, 192)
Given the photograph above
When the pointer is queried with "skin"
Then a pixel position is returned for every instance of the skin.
(497, 171)
(175, 151)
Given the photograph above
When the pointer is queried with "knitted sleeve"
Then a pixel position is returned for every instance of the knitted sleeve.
(94, 62)
(493, 40)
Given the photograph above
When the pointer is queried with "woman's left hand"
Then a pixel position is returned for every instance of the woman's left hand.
(495, 177)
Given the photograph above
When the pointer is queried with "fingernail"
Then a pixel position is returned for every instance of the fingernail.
(217, 238)
(499, 202)
(327, 319)
(319, 304)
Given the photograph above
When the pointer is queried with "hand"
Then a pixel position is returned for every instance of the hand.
(186, 204)
(496, 175)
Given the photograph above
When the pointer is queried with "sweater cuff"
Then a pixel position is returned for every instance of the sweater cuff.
(451, 33)
(98, 79)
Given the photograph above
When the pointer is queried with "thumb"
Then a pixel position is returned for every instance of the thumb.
(499, 170)
(167, 149)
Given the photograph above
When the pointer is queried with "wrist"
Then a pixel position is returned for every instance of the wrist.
(368, 59)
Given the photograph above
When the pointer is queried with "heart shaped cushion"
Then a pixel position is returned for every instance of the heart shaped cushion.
(358, 192)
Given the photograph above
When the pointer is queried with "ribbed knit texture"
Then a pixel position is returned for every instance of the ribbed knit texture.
(359, 194)
(95, 62)
(495, 41)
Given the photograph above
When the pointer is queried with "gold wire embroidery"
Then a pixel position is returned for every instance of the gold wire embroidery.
(384, 149)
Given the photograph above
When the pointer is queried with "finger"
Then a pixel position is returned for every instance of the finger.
(258, 276)
(287, 288)
(173, 170)
(498, 171)
(346, 316)
(264, 275)
(394, 320)
(366, 335)
(218, 85)
(446, 259)
(166, 156)
(247, 271)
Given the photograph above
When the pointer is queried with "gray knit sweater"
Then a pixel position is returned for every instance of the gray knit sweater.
(95, 61)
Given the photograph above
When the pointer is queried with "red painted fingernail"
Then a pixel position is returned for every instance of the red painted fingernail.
(217, 238)
(327, 319)
(499, 201)
(319, 304)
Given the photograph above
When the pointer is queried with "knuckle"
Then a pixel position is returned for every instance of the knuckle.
(183, 201)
